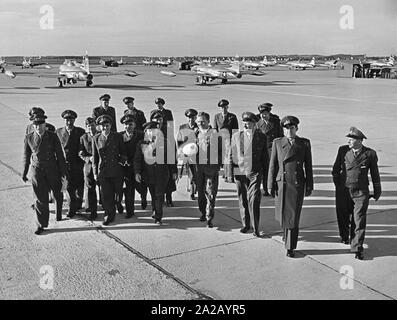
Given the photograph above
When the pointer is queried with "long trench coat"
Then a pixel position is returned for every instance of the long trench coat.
(290, 173)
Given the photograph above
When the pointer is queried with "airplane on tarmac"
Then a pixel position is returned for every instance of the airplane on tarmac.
(250, 64)
(72, 71)
(330, 64)
(267, 63)
(382, 64)
(147, 62)
(162, 63)
(111, 63)
(205, 74)
(27, 64)
(299, 65)
(2, 62)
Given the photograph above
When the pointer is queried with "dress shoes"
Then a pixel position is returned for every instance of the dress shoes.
(345, 241)
(39, 230)
(120, 208)
(93, 216)
(193, 197)
(290, 253)
(209, 224)
(158, 221)
(143, 204)
(70, 214)
(59, 219)
(256, 234)
(170, 203)
(203, 218)
(153, 215)
(266, 194)
(359, 255)
(244, 230)
(129, 215)
(106, 223)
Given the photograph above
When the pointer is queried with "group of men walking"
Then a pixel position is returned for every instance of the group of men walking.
(145, 155)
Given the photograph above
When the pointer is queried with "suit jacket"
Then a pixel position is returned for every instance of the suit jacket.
(291, 173)
(85, 151)
(71, 145)
(43, 152)
(209, 155)
(249, 158)
(108, 154)
(272, 129)
(140, 117)
(353, 172)
(229, 122)
(99, 111)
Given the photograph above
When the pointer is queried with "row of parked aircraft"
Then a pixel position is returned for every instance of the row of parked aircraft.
(71, 71)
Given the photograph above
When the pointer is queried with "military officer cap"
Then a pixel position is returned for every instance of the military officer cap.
(104, 97)
(190, 113)
(355, 133)
(69, 114)
(223, 103)
(127, 100)
(89, 120)
(38, 118)
(104, 119)
(150, 125)
(204, 114)
(157, 115)
(248, 116)
(35, 110)
(267, 106)
(289, 121)
(159, 100)
(127, 118)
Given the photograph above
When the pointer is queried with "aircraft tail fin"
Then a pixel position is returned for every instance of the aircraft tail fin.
(86, 62)
(313, 62)
(235, 67)
(391, 60)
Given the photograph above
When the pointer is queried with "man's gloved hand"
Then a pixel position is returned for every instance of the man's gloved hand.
(308, 192)
(377, 193)
(24, 178)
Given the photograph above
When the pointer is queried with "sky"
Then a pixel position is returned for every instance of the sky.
(198, 27)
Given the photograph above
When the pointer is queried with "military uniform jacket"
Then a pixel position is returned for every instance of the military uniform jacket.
(228, 122)
(291, 172)
(167, 114)
(139, 115)
(209, 155)
(130, 145)
(248, 157)
(186, 134)
(43, 153)
(272, 129)
(71, 146)
(352, 172)
(99, 111)
(108, 154)
(150, 161)
(85, 151)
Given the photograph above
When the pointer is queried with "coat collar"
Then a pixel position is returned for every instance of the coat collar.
(290, 151)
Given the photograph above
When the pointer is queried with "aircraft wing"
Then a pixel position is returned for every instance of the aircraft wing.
(129, 73)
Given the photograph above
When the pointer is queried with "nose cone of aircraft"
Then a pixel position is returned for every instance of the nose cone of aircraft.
(10, 74)
(131, 73)
(168, 73)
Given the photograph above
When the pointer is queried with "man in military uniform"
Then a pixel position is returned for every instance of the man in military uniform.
(85, 153)
(150, 166)
(187, 133)
(290, 179)
(43, 154)
(108, 154)
(30, 127)
(131, 136)
(70, 141)
(248, 156)
(225, 121)
(208, 163)
(269, 124)
(170, 153)
(350, 176)
(167, 116)
(105, 109)
(138, 114)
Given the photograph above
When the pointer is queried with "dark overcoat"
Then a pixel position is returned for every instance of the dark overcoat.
(291, 172)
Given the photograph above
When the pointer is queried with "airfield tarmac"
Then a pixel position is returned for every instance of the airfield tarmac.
(136, 259)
